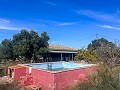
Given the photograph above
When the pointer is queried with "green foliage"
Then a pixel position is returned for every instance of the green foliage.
(84, 54)
(105, 51)
(98, 43)
(43, 44)
(104, 79)
(21, 44)
(6, 50)
(26, 44)
(44, 38)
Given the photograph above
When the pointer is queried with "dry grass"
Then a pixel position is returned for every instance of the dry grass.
(4, 66)
(105, 79)
(9, 84)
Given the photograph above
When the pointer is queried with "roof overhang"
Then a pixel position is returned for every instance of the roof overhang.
(63, 51)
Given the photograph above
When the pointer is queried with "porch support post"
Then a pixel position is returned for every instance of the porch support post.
(72, 56)
(61, 57)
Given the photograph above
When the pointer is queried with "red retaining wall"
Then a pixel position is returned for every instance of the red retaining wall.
(51, 81)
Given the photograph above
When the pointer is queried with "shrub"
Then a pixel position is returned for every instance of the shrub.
(8, 84)
(105, 79)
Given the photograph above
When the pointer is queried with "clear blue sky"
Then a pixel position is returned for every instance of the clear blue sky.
(72, 23)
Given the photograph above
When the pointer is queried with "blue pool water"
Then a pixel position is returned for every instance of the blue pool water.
(58, 66)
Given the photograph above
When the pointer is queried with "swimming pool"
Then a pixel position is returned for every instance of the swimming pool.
(52, 75)
(58, 66)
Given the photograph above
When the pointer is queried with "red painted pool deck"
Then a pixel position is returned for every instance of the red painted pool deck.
(48, 80)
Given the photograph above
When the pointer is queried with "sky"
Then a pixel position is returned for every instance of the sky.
(73, 23)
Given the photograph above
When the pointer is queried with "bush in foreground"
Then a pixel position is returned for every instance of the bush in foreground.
(9, 84)
(105, 79)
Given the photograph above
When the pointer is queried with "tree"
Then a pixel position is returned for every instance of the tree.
(44, 38)
(39, 44)
(99, 42)
(105, 51)
(6, 50)
(21, 44)
(84, 54)
(29, 44)
(109, 54)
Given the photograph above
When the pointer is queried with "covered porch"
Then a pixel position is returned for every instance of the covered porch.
(61, 55)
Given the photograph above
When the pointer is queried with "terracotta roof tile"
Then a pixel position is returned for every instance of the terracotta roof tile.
(59, 47)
